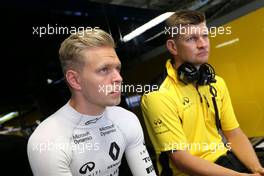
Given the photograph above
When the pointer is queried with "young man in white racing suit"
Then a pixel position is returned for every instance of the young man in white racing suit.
(89, 135)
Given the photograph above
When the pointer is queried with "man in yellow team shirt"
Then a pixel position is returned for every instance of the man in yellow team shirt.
(186, 116)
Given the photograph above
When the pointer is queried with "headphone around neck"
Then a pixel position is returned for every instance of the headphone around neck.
(188, 73)
(205, 75)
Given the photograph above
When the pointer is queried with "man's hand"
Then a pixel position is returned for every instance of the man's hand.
(243, 174)
(260, 171)
(244, 151)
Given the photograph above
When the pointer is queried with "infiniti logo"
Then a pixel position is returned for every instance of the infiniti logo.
(87, 166)
(157, 122)
(92, 121)
(185, 100)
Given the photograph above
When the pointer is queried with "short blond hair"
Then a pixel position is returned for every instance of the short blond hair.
(71, 48)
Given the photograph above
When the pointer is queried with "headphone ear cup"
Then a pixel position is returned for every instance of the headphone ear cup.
(206, 74)
(187, 73)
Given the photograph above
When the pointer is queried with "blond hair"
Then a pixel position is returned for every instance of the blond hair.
(71, 48)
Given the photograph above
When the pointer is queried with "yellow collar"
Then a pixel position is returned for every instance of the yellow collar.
(171, 71)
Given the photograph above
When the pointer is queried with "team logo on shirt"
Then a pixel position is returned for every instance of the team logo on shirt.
(159, 126)
(114, 151)
(157, 122)
(150, 169)
(107, 130)
(92, 121)
(87, 167)
(186, 101)
(82, 137)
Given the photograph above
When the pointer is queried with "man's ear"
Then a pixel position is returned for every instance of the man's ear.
(171, 46)
(73, 79)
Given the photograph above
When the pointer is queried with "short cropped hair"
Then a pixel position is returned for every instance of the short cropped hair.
(184, 17)
(71, 48)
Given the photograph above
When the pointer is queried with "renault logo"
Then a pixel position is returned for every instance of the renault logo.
(114, 151)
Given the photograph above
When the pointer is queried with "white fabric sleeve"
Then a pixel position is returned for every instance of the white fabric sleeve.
(136, 153)
(47, 159)
(139, 161)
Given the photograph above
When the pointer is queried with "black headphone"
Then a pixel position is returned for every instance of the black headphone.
(205, 75)
(188, 73)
